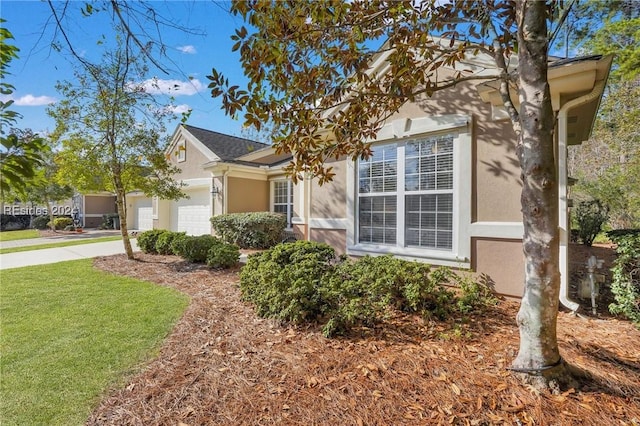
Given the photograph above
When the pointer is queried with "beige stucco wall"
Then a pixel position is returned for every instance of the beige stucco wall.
(98, 204)
(329, 200)
(191, 168)
(496, 172)
(247, 195)
(334, 237)
(502, 261)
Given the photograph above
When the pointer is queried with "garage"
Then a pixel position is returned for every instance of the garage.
(143, 219)
(192, 215)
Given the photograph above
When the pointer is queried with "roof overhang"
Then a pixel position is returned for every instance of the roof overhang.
(568, 80)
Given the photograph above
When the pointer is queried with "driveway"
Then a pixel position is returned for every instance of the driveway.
(61, 254)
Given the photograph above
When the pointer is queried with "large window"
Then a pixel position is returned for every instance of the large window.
(406, 194)
(283, 199)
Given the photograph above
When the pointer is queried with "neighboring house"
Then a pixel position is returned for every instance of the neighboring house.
(90, 207)
(220, 176)
(443, 185)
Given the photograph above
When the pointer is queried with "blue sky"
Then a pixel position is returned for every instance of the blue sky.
(40, 67)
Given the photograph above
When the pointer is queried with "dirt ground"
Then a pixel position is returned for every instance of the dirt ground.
(222, 365)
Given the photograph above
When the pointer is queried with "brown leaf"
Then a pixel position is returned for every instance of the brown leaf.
(455, 389)
(501, 387)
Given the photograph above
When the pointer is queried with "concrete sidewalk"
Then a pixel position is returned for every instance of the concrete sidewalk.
(61, 254)
(86, 235)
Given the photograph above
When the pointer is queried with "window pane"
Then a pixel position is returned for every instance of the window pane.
(377, 220)
(379, 172)
(429, 220)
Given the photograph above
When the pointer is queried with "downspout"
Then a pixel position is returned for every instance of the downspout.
(563, 218)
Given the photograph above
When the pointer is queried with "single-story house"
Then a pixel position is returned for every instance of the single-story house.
(90, 208)
(443, 184)
(217, 178)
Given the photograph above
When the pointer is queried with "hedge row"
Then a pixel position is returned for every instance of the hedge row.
(305, 282)
(198, 249)
(250, 230)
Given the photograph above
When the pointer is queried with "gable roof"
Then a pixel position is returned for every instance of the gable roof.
(226, 147)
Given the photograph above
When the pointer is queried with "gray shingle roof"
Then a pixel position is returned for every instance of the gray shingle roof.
(227, 147)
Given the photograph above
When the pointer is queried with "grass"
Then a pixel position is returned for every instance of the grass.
(69, 332)
(24, 234)
(60, 244)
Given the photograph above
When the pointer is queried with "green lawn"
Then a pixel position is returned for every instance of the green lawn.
(19, 235)
(60, 244)
(69, 333)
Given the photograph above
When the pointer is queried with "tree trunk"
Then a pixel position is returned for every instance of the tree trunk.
(120, 203)
(50, 211)
(538, 358)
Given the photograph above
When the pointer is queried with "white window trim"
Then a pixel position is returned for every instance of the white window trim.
(290, 204)
(181, 155)
(396, 131)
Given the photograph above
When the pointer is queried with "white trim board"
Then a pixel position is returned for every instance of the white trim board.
(324, 223)
(510, 230)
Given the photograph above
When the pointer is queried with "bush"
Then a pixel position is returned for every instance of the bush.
(223, 255)
(476, 295)
(194, 249)
(62, 222)
(13, 223)
(284, 282)
(40, 222)
(164, 241)
(590, 216)
(303, 281)
(626, 276)
(250, 230)
(109, 221)
(147, 240)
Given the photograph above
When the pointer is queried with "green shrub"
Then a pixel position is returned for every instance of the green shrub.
(223, 255)
(250, 230)
(358, 292)
(164, 241)
(626, 276)
(284, 282)
(475, 295)
(61, 222)
(194, 249)
(40, 222)
(303, 281)
(590, 216)
(147, 240)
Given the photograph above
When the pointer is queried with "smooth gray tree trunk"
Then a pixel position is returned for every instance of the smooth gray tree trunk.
(538, 357)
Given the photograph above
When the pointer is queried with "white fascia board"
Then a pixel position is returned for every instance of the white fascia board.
(255, 155)
(181, 133)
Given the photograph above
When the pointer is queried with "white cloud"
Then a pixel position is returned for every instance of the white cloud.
(29, 100)
(179, 109)
(188, 49)
(155, 86)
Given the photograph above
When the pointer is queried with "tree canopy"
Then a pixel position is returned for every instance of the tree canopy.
(111, 133)
(21, 152)
(327, 74)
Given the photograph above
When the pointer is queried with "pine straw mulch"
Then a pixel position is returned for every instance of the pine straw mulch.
(222, 365)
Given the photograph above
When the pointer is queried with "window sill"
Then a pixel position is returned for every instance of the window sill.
(433, 257)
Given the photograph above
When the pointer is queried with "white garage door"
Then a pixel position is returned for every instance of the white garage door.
(143, 219)
(193, 214)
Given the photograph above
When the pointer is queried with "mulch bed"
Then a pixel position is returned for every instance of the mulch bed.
(222, 365)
